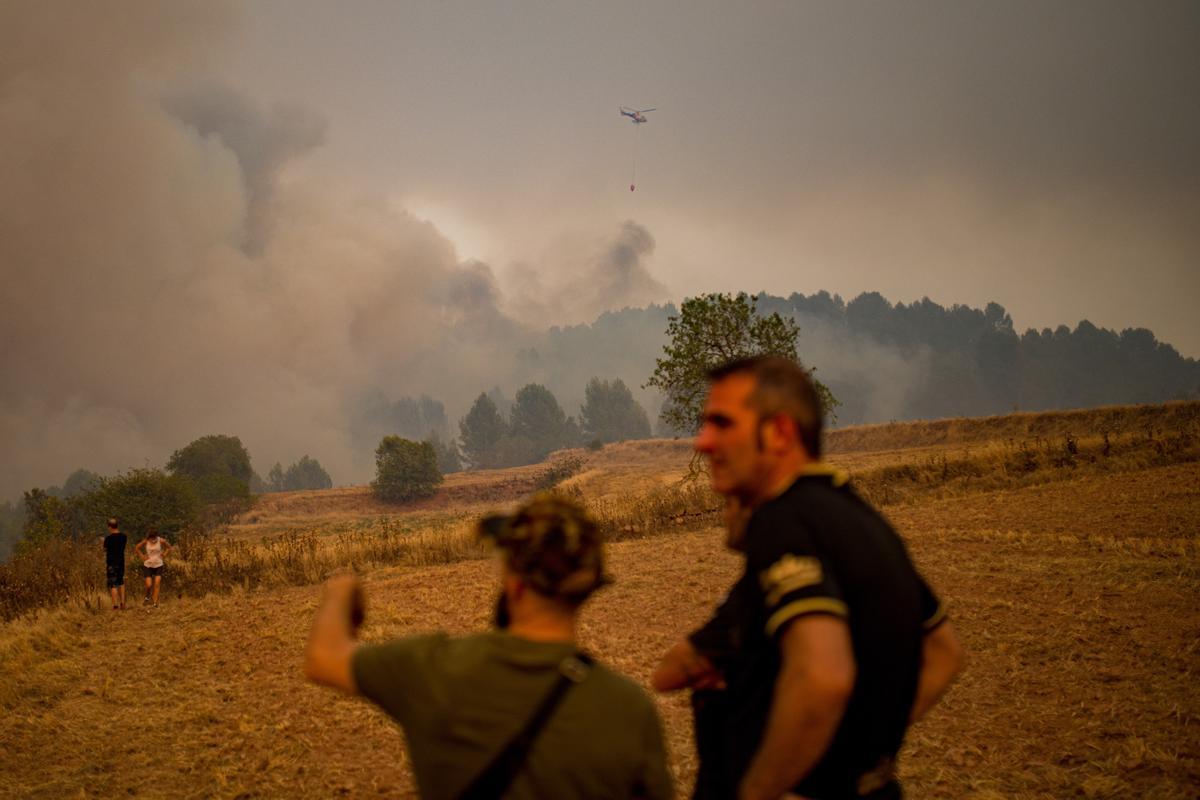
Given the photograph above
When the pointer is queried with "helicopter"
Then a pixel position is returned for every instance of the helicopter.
(636, 116)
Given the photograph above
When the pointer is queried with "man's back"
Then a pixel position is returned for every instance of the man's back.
(462, 700)
(114, 548)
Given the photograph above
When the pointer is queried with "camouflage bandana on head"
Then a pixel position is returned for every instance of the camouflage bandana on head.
(553, 544)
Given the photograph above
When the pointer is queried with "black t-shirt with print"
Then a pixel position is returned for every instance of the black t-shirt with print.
(819, 549)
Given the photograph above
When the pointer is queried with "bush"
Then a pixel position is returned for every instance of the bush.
(405, 470)
(559, 470)
(143, 499)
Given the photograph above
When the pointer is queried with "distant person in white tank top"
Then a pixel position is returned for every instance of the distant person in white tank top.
(153, 550)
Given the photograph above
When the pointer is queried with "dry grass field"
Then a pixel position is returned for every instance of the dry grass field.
(1072, 572)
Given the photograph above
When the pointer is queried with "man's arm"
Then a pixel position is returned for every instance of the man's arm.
(684, 667)
(332, 643)
(690, 662)
(814, 685)
(941, 660)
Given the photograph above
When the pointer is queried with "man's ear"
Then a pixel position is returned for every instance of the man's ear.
(779, 433)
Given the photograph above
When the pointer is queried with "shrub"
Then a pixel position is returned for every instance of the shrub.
(559, 470)
(405, 470)
(142, 499)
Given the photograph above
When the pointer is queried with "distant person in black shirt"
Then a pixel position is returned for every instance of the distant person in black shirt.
(830, 644)
(114, 562)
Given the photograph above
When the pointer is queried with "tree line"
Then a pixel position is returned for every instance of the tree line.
(972, 362)
(496, 433)
(889, 361)
(536, 425)
(501, 432)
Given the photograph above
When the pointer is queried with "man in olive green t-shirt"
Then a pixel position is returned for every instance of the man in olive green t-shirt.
(462, 700)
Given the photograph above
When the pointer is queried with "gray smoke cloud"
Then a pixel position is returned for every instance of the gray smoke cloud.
(167, 274)
(888, 377)
(262, 142)
(169, 271)
(581, 277)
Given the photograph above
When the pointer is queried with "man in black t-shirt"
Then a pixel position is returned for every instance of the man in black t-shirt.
(114, 563)
(830, 643)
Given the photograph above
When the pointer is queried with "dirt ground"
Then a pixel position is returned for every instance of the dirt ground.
(1076, 600)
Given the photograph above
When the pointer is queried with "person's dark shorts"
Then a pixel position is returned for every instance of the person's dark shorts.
(116, 575)
(153, 572)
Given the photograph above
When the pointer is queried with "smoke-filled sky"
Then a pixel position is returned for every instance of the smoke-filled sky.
(240, 218)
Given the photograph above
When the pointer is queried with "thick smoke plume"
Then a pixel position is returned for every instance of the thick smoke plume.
(168, 272)
(165, 278)
(262, 143)
(580, 278)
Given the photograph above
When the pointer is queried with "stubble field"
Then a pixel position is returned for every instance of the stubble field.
(1073, 585)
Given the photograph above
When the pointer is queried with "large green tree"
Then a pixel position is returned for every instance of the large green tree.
(710, 330)
(218, 465)
(405, 470)
(480, 431)
(212, 455)
(538, 418)
(610, 414)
